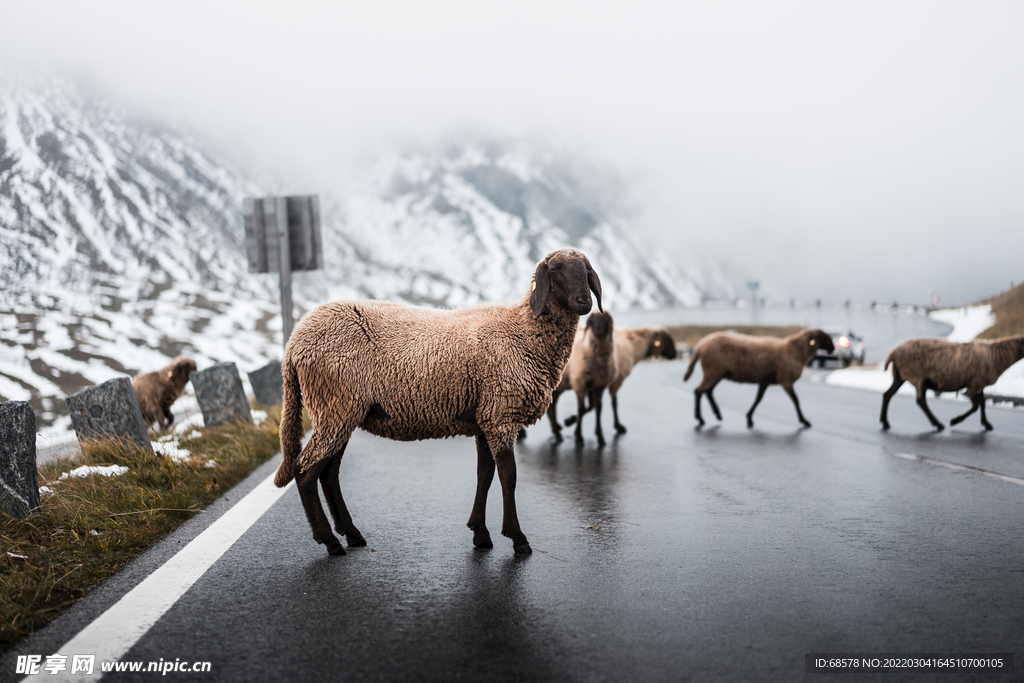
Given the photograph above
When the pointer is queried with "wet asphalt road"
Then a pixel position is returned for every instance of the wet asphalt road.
(672, 554)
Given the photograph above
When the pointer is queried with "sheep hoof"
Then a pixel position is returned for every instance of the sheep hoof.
(579, 441)
(939, 427)
(805, 423)
(557, 437)
(522, 548)
(335, 548)
(988, 427)
(482, 539)
(750, 423)
(355, 540)
(885, 426)
(601, 443)
(619, 429)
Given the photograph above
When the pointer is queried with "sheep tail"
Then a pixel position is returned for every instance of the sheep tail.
(694, 357)
(888, 360)
(291, 425)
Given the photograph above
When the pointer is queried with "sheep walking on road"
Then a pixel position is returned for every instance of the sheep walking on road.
(942, 365)
(590, 370)
(631, 346)
(409, 374)
(157, 391)
(756, 360)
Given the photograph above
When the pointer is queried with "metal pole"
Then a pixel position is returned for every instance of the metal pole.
(284, 267)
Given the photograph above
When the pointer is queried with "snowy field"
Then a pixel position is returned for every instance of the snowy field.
(967, 324)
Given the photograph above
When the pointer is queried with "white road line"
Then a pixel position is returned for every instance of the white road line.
(115, 631)
(960, 468)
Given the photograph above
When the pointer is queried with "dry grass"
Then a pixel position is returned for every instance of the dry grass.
(90, 527)
(691, 334)
(1008, 308)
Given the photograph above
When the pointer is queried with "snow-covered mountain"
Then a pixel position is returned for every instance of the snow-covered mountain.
(121, 242)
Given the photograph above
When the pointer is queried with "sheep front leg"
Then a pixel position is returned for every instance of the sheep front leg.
(984, 421)
(974, 407)
(619, 428)
(760, 394)
(595, 401)
(581, 410)
(484, 477)
(556, 429)
(505, 460)
(796, 402)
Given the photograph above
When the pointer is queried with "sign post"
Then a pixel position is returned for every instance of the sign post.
(282, 234)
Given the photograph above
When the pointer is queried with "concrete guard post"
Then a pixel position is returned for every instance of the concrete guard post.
(220, 394)
(19, 486)
(108, 411)
(267, 383)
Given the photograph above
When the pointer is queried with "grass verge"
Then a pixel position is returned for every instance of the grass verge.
(1008, 308)
(89, 527)
(691, 334)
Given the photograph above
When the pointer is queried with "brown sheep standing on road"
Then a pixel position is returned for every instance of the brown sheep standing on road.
(590, 370)
(632, 344)
(942, 365)
(409, 374)
(757, 360)
(157, 391)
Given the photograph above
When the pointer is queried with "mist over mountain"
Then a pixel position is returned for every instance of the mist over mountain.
(121, 241)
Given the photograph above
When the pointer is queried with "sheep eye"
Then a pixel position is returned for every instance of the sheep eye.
(812, 342)
(657, 342)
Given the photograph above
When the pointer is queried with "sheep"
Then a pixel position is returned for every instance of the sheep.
(156, 391)
(408, 374)
(590, 370)
(942, 365)
(631, 346)
(757, 360)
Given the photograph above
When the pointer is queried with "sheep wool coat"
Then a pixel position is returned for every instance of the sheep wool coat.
(438, 364)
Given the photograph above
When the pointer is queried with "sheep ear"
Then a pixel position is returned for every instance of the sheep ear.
(540, 289)
(595, 285)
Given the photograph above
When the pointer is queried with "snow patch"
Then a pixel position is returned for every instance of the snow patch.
(967, 322)
(102, 470)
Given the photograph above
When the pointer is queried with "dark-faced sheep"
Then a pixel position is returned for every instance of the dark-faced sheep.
(157, 391)
(942, 365)
(631, 346)
(590, 370)
(757, 360)
(409, 373)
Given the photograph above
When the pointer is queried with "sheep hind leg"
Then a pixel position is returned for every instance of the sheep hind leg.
(897, 382)
(711, 400)
(505, 461)
(336, 502)
(484, 477)
(796, 403)
(924, 406)
(306, 483)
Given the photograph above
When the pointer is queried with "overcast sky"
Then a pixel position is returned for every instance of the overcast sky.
(872, 150)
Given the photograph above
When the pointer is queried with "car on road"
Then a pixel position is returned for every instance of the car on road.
(849, 349)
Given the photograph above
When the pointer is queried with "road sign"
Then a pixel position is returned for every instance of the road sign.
(282, 234)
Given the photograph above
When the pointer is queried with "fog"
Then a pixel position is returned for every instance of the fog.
(867, 151)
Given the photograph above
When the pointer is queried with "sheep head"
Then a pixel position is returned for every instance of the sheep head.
(662, 345)
(600, 324)
(181, 368)
(566, 276)
(819, 339)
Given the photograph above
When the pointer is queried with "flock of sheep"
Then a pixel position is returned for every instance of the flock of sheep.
(410, 373)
